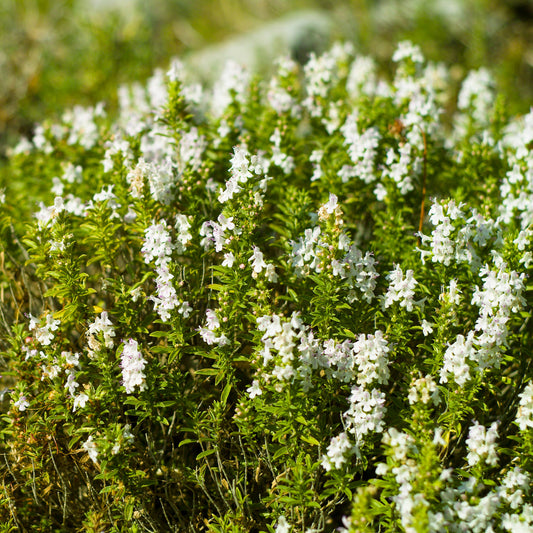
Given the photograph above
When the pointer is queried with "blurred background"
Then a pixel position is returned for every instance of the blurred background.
(58, 53)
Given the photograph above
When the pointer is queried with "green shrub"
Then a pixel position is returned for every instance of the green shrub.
(294, 304)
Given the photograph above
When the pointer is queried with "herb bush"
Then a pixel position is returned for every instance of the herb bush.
(293, 304)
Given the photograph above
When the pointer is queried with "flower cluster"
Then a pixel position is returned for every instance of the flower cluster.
(158, 248)
(524, 417)
(401, 289)
(314, 252)
(132, 363)
(456, 236)
(208, 332)
(481, 444)
(357, 262)
(44, 334)
(101, 325)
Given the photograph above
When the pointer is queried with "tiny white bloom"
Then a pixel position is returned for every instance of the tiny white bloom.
(283, 526)
(22, 403)
(80, 401)
(90, 447)
(254, 389)
(229, 259)
(427, 327)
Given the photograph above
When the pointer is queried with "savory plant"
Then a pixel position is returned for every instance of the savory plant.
(293, 304)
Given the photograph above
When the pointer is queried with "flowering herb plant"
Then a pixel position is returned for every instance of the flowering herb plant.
(292, 304)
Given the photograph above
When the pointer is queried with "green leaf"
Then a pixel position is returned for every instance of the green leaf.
(207, 372)
(284, 450)
(225, 393)
(158, 334)
(311, 440)
(187, 441)
(217, 287)
(205, 453)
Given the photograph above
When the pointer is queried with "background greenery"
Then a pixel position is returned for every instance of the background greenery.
(57, 53)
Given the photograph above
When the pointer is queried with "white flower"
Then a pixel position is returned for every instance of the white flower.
(127, 434)
(102, 324)
(319, 72)
(71, 358)
(254, 389)
(116, 146)
(456, 360)
(362, 149)
(366, 412)
(208, 336)
(229, 259)
(481, 444)
(212, 320)
(240, 173)
(400, 443)
(519, 522)
(47, 216)
(401, 289)
(80, 401)
(329, 208)
(279, 158)
(407, 50)
(82, 127)
(381, 469)
(304, 251)
(50, 371)
(22, 403)
(71, 383)
(279, 99)
(336, 453)
(477, 95)
(282, 526)
(44, 334)
(184, 236)
(90, 447)
(362, 77)
(132, 363)
(371, 356)
(157, 246)
(176, 70)
(456, 235)
(438, 440)
(402, 167)
(501, 295)
(283, 373)
(136, 293)
(156, 168)
(524, 415)
(208, 333)
(232, 86)
(258, 263)
(515, 486)
(157, 90)
(454, 292)
(427, 327)
(270, 273)
(423, 390)
(184, 309)
(107, 195)
(214, 233)
(271, 325)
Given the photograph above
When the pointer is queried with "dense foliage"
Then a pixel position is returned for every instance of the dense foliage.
(292, 304)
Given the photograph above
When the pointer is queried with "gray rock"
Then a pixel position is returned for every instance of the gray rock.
(297, 34)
